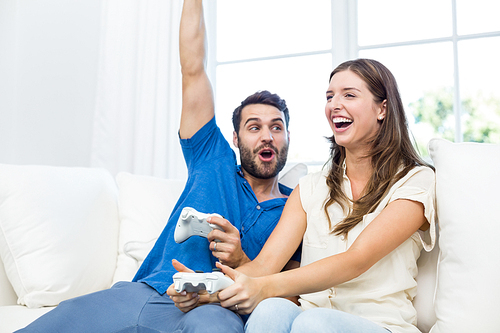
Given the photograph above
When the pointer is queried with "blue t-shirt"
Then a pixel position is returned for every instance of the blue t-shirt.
(215, 184)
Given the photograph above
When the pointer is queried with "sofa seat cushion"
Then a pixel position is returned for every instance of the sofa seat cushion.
(14, 317)
(58, 231)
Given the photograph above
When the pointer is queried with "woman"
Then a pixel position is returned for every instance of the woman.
(362, 221)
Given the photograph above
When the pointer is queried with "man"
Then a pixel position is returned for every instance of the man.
(249, 197)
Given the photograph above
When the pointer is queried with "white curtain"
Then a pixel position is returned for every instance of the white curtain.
(138, 98)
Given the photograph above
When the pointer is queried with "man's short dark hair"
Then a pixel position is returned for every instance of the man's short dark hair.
(261, 97)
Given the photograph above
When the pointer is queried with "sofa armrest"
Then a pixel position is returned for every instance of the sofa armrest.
(58, 231)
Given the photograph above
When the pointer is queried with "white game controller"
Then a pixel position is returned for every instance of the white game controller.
(194, 282)
(193, 223)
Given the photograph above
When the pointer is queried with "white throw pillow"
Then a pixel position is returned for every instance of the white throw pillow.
(145, 204)
(291, 174)
(468, 205)
(58, 231)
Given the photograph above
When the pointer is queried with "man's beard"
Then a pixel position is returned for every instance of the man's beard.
(265, 170)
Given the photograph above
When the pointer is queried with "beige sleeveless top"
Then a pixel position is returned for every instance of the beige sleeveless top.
(384, 293)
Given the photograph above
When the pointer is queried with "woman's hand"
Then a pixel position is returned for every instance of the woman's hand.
(245, 294)
(227, 248)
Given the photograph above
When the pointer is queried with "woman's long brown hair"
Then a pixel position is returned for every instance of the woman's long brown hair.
(392, 153)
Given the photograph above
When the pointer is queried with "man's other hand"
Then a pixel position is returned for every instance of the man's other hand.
(227, 248)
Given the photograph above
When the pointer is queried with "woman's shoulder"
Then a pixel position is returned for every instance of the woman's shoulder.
(312, 186)
(314, 178)
(421, 177)
(421, 172)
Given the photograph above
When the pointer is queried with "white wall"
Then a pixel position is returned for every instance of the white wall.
(48, 77)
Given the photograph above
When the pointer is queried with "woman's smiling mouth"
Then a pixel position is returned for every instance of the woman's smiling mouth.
(341, 123)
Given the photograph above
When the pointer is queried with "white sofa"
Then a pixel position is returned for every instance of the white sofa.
(65, 232)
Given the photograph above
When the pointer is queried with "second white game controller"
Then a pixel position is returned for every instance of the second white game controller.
(194, 282)
(193, 223)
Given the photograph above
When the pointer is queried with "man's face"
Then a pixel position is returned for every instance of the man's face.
(263, 140)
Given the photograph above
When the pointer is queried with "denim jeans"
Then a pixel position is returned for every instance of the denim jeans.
(133, 307)
(279, 315)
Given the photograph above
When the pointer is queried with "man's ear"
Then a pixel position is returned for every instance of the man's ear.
(235, 139)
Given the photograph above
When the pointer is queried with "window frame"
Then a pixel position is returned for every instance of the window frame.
(344, 18)
(345, 46)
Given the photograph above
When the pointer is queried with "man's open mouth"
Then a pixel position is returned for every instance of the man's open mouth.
(266, 154)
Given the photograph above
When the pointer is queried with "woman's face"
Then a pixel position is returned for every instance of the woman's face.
(352, 113)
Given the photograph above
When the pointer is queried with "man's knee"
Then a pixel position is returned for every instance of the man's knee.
(212, 317)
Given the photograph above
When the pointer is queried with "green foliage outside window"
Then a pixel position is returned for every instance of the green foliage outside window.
(480, 116)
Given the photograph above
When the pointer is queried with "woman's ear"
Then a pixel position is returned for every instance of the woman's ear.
(383, 110)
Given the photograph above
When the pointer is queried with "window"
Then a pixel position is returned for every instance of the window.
(442, 53)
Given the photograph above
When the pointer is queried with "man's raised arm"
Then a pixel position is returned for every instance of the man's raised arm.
(197, 96)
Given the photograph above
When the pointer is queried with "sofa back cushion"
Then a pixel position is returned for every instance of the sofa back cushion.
(145, 203)
(468, 206)
(426, 288)
(7, 294)
(58, 231)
